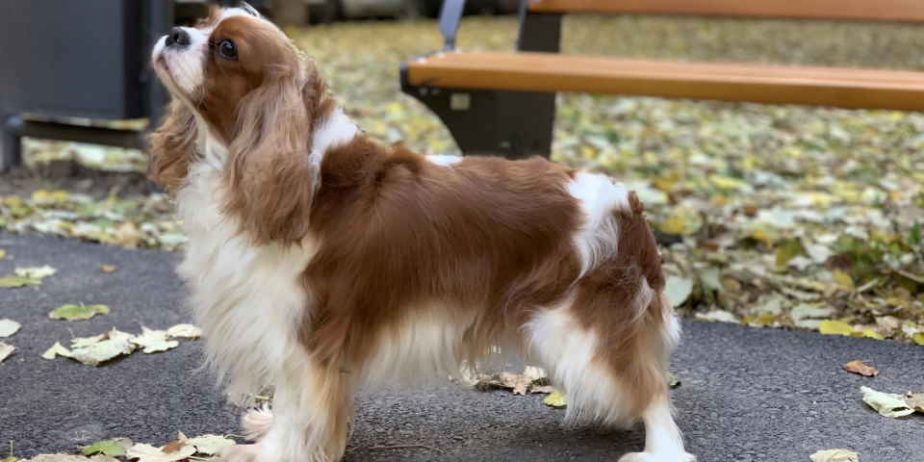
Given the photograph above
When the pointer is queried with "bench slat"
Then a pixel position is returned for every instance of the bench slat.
(546, 72)
(872, 10)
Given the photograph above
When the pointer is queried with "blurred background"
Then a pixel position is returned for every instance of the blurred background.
(771, 215)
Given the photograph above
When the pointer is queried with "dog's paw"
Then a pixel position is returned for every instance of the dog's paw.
(240, 453)
(656, 457)
(256, 423)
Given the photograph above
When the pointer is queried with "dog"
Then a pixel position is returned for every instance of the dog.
(320, 261)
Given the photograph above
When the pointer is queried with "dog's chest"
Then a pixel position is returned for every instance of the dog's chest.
(248, 299)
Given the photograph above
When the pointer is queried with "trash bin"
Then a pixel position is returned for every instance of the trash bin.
(66, 59)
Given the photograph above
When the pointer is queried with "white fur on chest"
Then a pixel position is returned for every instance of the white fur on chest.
(249, 300)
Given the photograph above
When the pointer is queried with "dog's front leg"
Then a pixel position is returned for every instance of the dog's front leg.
(312, 410)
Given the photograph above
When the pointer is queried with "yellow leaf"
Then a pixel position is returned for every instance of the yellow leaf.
(2, 254)
(727, 183)
(869, 333)
(829, 327)
(843, 280)
(918, 338)
(555, 399)
(681, 222)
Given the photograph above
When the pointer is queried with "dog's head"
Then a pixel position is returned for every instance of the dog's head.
(236, 77)
(240, 87)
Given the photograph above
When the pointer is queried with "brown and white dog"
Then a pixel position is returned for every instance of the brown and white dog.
(320, 261)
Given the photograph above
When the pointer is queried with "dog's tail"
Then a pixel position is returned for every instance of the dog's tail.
(638, 248)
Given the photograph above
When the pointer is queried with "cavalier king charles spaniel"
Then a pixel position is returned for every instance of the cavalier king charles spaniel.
(320, 261)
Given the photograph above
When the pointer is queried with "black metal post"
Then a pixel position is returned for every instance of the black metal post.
(10, 142)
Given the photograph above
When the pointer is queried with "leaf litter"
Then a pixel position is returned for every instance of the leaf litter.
(98, 349)
(200, 448)
(782, 206)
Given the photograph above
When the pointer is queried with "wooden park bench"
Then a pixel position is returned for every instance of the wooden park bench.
(504, 103)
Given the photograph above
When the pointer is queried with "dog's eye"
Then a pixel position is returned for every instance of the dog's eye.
(227, 50)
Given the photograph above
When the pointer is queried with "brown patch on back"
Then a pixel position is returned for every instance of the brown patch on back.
(488, 239)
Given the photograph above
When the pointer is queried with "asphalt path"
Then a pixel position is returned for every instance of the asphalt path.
(746, 395)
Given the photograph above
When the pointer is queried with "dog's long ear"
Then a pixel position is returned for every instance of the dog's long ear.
(269, 176)
(172, 147)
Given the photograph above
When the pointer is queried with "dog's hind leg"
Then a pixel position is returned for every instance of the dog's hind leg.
(613, 373)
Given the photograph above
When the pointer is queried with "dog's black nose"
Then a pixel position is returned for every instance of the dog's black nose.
(178, 38)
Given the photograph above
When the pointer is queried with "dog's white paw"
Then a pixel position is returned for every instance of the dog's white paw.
(655, 457)
(241, 453)
(256, 423)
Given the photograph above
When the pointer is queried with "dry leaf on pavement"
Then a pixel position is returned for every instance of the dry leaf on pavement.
(6, 350)
(860, 367)
(57, 350)
(835, 455)
(71, 312)
(147, 453)
(8, 327)
(36, 272)
(915, 401)
(184, 331)
(886, 404)
(154, 341)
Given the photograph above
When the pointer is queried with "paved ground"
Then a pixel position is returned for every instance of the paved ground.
(747, 394)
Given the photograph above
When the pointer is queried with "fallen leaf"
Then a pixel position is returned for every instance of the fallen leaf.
(915, 401)
(835, 455)
(36, 272)
(519, 384)
(6, 350)
(555, 399)
(918, 338)
(8, 327)
(809, 316)
(682, 221)
(673, 381)
(861, 368)
(886, 404)
(210, 444)
(57, 350)
(12, 282)
(57, 458)
(2, 256)
(718, 316)
(103, 458)
(678, 290)
(72, 312)
(115, 447)
(843, 280)
(148, 453)
(153, 341)
(184, 331)
(104, 268)
(96, 350)
(831, 327)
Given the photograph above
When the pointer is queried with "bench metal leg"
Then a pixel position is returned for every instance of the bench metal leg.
(10, 142)
(509, 124)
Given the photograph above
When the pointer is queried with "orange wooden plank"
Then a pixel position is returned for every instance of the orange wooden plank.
(546, 72)
(863, 10)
